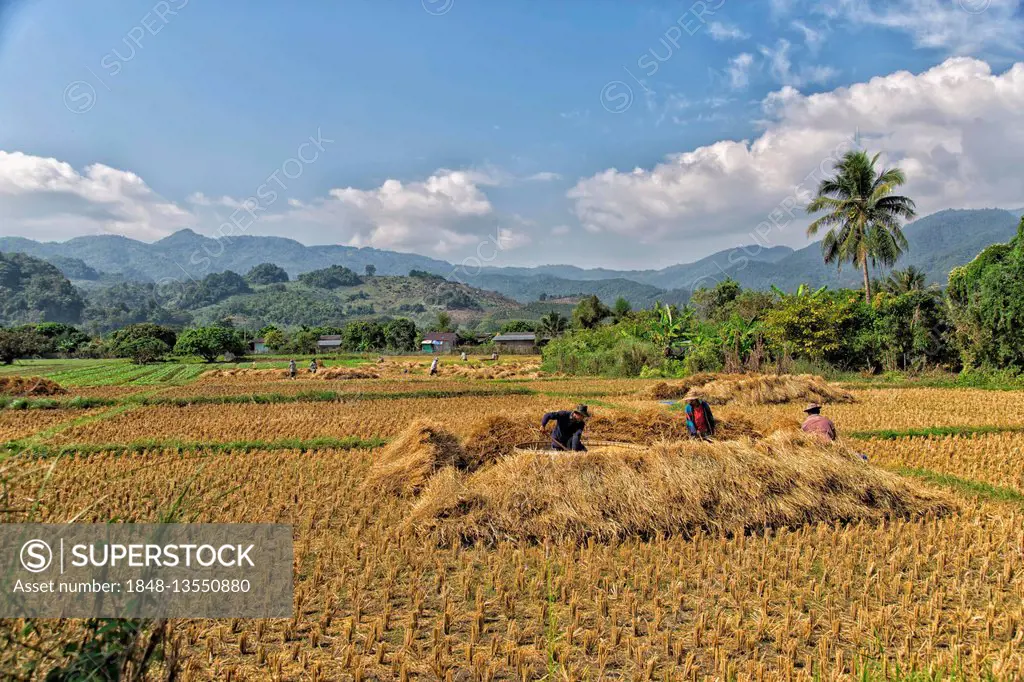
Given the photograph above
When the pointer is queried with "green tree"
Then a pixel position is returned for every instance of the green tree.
(443, 323)
(370, 269)
(363, 336)
(122, 341)
(209, 343)
(621, 308)
(334, 277)
(63, 337)
(21, 343)
(554, 324)
(145, 350)
(907, 280)
(986, 299)
(274, 339)
(863, 216)
(266, 273)
(518, 326)
(590, 312)
(716, 304)
(400, 334)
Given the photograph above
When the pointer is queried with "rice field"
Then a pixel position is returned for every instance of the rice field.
(926, 584)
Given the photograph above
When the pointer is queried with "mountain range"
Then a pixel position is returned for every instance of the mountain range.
(938, 243)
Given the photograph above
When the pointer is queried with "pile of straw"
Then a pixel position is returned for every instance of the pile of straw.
(496, 437)
(407, 463)
(684, 488)
(29, 386)
(741, 389)
(651, 426)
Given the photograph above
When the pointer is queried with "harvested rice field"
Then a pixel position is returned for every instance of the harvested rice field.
(429, 548)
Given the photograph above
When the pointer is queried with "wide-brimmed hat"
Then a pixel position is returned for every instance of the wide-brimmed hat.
(584, 410)
(813, 407)
(693, 395)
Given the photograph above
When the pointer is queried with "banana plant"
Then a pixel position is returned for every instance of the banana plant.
(802, 291)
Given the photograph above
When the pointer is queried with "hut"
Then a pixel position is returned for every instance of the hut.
(439, 342)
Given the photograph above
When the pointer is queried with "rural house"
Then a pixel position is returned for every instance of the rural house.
(328, 343)
(517, 342)
(258, 347)
(439, 342)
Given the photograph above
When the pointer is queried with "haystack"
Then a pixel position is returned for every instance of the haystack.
(752, 389)
(651, 426)
(29, 386)
(495, 437)
(344, 373)
(774, 390)
(685, 488)
(407, 463)
(678, 389)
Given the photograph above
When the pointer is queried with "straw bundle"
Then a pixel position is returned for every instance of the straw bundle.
(407, 463)
(683, 488)
(26, 386)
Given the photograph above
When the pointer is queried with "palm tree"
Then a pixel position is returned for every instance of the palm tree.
(863, 216)
(553, 324)
(905, 281)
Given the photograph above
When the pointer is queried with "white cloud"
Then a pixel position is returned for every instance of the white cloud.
(780, 66)
(544, 176)
(738, 70)
(813, 38)
(438, 215)
(49, 199)
(955, 129)
(560, 230)
(958, 27)
(719, 31)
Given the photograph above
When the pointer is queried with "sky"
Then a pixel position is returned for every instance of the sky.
(613, 133)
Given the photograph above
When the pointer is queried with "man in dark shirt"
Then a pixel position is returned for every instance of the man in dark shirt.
(568, 428)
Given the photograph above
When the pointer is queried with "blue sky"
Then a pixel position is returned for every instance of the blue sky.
(445, 123)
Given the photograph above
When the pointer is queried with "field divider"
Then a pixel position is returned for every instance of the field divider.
(253, 398)
(966, 486)
(36, 450)
(935, 432)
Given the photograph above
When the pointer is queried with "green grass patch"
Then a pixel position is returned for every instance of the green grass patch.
(934, 432)
(26, 449)
(966, 486)
(254, 398)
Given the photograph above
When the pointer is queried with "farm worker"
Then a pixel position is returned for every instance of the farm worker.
(464, 358)
(818, 424)
(568, 428)
(312, 366)
(494, 356)
(292, 369)
(699, 420)
(433, 367)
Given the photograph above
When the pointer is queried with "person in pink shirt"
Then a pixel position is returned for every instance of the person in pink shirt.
(818, 424)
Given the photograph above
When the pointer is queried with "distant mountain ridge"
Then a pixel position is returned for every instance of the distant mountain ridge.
(938, 243)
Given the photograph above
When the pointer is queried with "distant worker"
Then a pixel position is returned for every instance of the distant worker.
(699, 419)
(312, 366)
(292, 369)
(494, 356)
(464, 357)
(380, 360)
(568, 430)
(433, 366)
(818, 424)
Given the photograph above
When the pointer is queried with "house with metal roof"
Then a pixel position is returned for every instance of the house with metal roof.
(439, 342)
(517, 342)
(328, 343)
